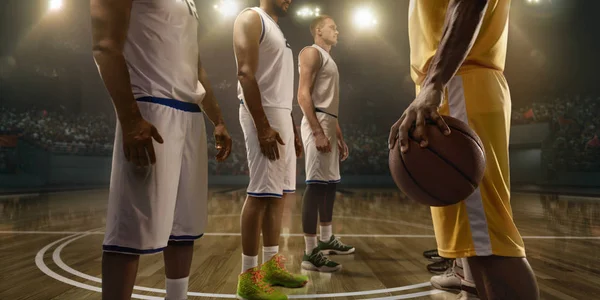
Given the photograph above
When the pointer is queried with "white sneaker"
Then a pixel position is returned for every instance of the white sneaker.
(464, 295)
(449, 281)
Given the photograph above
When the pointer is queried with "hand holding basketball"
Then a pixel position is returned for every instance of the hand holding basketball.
(423, 108)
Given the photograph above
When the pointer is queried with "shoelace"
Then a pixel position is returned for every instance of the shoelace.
(320, 258)
(258, 277)
(337, 243)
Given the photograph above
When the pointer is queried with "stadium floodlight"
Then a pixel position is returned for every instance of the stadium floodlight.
(307, 12)
(534, 1)
(55, 5)
(364, 18)
(227, 8)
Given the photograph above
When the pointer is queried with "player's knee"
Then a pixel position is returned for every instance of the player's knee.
(181, 243)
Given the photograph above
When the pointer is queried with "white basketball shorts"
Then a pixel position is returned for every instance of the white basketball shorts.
(270, 178)
(321, 168)
(166, 201)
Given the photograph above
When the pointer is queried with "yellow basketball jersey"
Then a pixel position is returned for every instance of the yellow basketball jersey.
(426, 22)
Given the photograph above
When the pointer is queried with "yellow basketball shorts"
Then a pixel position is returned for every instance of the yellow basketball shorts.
(482, 224)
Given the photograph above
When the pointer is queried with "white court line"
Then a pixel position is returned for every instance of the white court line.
(409, 296)
(534, 237)
(39, 261)
(56, 258)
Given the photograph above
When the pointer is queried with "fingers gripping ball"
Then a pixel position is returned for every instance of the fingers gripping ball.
(446, 172)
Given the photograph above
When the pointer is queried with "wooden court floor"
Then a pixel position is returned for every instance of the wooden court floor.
(50, 247)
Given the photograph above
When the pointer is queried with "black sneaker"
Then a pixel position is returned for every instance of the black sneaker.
(440, 267)
(432, 255)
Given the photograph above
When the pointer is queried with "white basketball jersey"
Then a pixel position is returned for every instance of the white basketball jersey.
(326, 90)
(275, 73)
(162, 50)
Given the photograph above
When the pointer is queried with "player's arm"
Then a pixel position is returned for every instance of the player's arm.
(297, 140)
(341, 143)
(310, 63)
(246, 40)
(110, 22)
(213, 111)
(461, 27)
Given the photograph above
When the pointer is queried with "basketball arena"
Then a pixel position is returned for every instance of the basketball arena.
(58, 137)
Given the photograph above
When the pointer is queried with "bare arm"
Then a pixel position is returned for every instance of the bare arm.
(461, 27)
(209, 104)
(246, 39)
(310, 63)
(110, 21)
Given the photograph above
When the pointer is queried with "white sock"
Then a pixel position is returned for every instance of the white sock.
(249, 262)
(311, 244)
(177, 288)
(458, 267)
(325, 233)
(269, 252)
(468, 277)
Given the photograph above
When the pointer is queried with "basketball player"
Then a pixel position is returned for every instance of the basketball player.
(147, 55)
(458, 51)
(266, 91)
(318, 96)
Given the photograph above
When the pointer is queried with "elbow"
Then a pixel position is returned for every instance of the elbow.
(303, 98)
(103, 50)
(245, 76)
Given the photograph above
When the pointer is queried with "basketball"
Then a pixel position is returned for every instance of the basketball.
(446, 172)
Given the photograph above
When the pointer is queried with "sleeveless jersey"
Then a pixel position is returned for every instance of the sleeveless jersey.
(162, 50)
(326, 90)
(275, 73)
(426, 22)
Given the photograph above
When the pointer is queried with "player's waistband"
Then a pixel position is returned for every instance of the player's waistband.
(324, 112)
(274, 107)
(176, 104)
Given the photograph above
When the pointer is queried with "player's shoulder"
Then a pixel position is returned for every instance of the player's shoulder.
(248, 16)
(310, 55)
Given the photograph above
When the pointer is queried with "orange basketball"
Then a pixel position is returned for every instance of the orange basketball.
(446, 172)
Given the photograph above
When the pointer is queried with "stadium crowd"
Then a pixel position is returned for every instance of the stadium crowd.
(573, 144)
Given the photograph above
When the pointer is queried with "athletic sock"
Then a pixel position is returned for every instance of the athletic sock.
(311, 244)
(249, 262)
(177, 288)
(325, 233)
(269, 252)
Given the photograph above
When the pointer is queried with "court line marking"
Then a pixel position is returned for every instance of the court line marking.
(533, 237)
(409, 296)
(39, 262)
(69, 239)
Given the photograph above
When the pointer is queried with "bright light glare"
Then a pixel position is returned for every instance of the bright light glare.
(227, 8)
(534, 1)
(55, 4)
(307, 12)
(364, 18)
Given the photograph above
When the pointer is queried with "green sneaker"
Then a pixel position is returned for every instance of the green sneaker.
(251, 286)
(335, 246)
(316, 261)
(276, 274)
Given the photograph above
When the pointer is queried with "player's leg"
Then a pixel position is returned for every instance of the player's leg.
(138, 221)
(330, 167)
(119, 272)
(285, 178)
(487, 213)
(191, 209)
(499, 278)
(261, 191)
(314, 197)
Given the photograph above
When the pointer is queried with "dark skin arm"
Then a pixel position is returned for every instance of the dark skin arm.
(297, 140)
(213, 111)
(461, 27)
(110, 20)
(246, 39)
